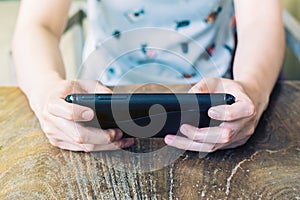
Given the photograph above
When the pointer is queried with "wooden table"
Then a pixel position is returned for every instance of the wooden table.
(267, 167)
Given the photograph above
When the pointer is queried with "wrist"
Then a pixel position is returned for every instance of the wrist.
(38, 95)
(257, 94)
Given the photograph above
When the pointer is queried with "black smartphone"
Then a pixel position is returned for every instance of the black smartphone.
(146, 115)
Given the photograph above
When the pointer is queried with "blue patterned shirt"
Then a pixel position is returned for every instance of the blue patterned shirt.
(158, 41)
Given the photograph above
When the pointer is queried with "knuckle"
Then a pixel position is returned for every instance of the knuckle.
(229, 115)
(69, 115)
(67, 83)
(242, 142)
(54, 142)
(45, 115)
(192, 145)
(80, 138)
(47, 129)
(50, 107)
(71, 82)
(227, 135)
(119, 144)
(250, 131)
(212, 149)
(51, 96)
(251, 110)
(110, 135)
(46, 126)
(89, 148)
(193, 134)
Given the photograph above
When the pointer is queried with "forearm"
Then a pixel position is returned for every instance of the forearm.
(259, 58)
(260, 49)
(37, 58)
(36, 51)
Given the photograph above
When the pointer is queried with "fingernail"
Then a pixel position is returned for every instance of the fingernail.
(88, 115)
(119, 134)
(128, 143)
(169, 139)
(213, 113)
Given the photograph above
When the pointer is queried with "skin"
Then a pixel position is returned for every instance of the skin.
(40, 68)
(257, 63)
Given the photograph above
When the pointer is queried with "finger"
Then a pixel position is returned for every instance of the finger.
(188, 144)
(207, 135)
(59, 107)
(78, 133)
(67, 87)
(102, 89)
(73, 112)
(66, 145)
(236, 143)
(238, 110)
(124, 143)
(84, 138)
(243, 129)
(54, 133)
(91, 147)
(206, 85)
(92, 86)
(91, 135)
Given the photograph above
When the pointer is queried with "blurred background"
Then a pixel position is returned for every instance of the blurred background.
(70, 48)
(291, 65)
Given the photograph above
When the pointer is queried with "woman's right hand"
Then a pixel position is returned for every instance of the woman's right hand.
(61, 120)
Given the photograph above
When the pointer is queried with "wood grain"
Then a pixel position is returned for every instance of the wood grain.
(267, 167)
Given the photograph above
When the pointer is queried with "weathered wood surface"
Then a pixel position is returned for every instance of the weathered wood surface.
(267, 167)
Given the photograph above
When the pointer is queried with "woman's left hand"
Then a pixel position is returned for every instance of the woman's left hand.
(239, 119)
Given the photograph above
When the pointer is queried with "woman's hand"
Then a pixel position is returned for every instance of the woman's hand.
(239, 119)
(61, 120)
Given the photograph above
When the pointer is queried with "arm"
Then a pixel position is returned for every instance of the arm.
(36, 50)
(260, 47)
(41, 76)
(257, 63)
